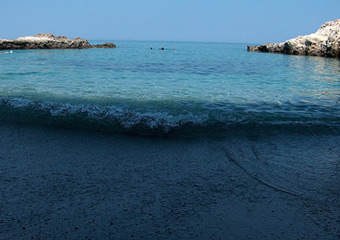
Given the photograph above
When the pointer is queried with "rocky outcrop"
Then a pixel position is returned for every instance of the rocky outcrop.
(104, 45)
(49, 41)
(325, 43)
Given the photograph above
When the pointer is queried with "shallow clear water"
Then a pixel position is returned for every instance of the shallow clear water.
(194, 84)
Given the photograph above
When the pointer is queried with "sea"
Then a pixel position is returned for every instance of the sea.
(187, 89)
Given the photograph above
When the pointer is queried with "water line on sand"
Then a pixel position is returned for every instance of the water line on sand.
(275, 188)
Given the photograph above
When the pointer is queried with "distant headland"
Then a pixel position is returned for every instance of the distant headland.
(49, 41)
(324, 43)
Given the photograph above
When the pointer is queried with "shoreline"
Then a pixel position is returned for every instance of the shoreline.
(59, 183)
(323, 43)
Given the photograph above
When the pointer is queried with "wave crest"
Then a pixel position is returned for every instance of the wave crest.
(118, 120)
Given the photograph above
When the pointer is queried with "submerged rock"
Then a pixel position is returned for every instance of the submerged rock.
(49, 41)
(325, 43)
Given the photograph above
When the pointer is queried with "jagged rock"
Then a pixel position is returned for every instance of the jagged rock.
(325, 43)
(105, 45)
(49, 41)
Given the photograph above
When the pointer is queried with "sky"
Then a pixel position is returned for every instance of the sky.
(236, 21)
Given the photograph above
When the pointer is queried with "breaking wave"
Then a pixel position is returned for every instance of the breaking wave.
(115, 119)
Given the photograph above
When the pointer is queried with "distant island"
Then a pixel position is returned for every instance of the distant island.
(324, 43)
(49, 41)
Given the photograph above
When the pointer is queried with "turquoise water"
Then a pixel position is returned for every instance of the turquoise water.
(133, 88)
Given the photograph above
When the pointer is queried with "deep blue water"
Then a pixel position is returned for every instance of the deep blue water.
(205, 86)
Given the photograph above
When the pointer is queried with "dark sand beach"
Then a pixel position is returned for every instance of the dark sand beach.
(63, 184)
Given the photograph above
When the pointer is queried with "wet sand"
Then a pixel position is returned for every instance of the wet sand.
(63, 184)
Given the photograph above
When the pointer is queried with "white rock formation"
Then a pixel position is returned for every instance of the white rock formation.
(325, 42)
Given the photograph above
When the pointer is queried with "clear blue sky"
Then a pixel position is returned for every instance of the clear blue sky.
(247, 21)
